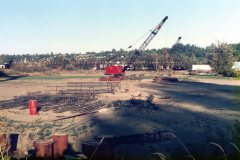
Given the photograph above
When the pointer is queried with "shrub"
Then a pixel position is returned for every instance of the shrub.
(221, 58)
(237, 74)
(21, 67)
(70, 67)
(228, 73)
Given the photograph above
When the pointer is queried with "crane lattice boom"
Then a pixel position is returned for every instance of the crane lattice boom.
(152, 35)
(145, 43)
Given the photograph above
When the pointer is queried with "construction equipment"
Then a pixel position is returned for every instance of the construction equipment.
(116, 73)
(177, 66)
(167, 59)
(178, 40)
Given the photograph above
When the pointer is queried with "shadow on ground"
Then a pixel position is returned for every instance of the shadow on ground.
(10, 78)
(199, 118)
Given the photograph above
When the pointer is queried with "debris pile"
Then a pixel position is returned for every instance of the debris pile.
(77, 97)
(136, 104)
(57, 103)
(162, 79)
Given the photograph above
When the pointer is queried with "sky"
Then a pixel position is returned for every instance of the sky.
(79, 26)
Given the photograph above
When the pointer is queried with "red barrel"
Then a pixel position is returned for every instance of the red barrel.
(60, 144)
(3, 140)
(44, 149)
(32, 106)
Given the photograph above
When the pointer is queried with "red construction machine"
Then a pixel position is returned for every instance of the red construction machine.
(116, 72)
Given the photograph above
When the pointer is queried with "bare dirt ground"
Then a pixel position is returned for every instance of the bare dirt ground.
(197, 112)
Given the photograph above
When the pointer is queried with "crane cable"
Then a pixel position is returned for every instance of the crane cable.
(144, 35)
(133, 44)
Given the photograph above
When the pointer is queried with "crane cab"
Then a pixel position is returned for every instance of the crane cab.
(114, 70)
(115, 73)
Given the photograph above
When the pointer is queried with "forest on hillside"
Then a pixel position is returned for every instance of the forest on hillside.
(182, 55)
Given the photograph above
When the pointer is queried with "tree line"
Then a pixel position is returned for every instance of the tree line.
(180, 55)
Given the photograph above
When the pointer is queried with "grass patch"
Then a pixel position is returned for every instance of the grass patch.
(148, 77)
(210, 77)
(55, 77)
(61, 77)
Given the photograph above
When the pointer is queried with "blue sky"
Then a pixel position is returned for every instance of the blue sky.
(65, 26)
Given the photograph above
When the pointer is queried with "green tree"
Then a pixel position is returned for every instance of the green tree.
(236, 51)
(221, 59)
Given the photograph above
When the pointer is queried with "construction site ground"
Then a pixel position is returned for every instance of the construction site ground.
(196, 112)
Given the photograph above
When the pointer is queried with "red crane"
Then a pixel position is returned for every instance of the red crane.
(117, 72)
